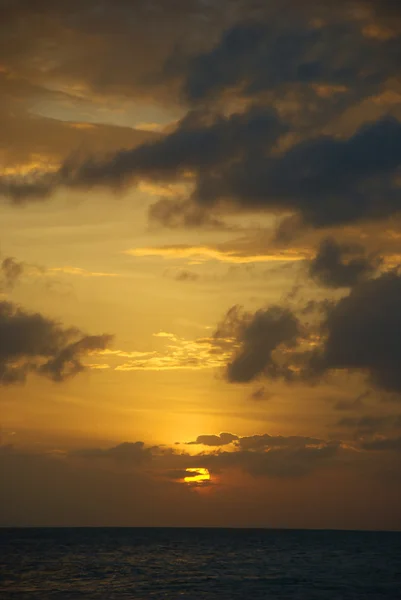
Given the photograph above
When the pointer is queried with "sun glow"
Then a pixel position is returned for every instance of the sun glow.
(197, 476)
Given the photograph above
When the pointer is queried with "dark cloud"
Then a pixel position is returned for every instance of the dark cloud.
(325, 179)
(223, 439)
(364, 332)
(286, 461)
(359, 333)
(354, 404)
(194, 146)
(30, 342)
(371, 423)
(187, 276)
(60, 490)
(328, 181)
(260, 56)
(383, 445)
(257, 336)
(65, 491)
(387, 8)
(335, 265)
(317, 307)
(260, 456)
(11, 272)
(265, 441)
(177, 213)
(32, 143)
(260, 394)
(93, 44)
(179, 474)
(132, 453)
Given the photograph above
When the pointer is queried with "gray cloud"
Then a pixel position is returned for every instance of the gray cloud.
(371, 423)
(257, 336)
(258, 56)
(354, 404)
(285, 461)
(186, 276)
(325, 179)
(11, 271)
(335, 265)
(328, 181)
(95, 44)
(177, 213)
(132, 453)
(30, 342)
(54, 490)
(260, 394)
(260, 456)
(223, 439)
(364, 332)
(383, 445)
(194, 145)
(265, 441)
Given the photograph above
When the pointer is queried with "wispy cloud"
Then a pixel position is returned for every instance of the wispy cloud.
(205, 253)
(178, 353)
(80, 272)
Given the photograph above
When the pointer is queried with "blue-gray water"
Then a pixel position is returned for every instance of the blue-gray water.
(224, 564)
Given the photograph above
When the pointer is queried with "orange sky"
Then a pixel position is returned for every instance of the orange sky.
(166, 178)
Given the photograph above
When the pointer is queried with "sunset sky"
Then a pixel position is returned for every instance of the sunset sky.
(200, 312)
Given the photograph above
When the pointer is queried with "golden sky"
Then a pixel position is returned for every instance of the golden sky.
(200, 263)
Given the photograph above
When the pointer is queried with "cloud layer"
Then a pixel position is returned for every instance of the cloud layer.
(32, 343)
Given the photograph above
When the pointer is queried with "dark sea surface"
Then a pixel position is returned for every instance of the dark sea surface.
(193, 564)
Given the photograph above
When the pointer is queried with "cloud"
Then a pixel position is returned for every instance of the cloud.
(260, 394)
(258, 456)
(239, 155)
(262, 56)
(383, 445)
(95, 47)
(265, 442)
(223, 439)
(354, 404)
(22, 156)
(177, 213)
(257, 336)
(132, 484)
(80, 272)
(281, 462)
(186, 276)
(178, 353)
(194, 145)
(11, 272)
(335, 265)
(70, 491)
(364, 332)
(360, 332)
(220, 253)
(371, 423)
(32, 343)
(328, 181)
(132, 453)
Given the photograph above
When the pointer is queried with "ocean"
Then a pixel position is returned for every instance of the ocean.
(192, 564)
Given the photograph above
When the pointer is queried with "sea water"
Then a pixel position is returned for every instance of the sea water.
(224, 564)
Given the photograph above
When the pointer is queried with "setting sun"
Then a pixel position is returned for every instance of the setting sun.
(197, 476)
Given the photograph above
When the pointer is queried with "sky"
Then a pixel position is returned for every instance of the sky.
(200, 263)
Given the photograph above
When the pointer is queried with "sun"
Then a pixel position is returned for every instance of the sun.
(197, 476)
